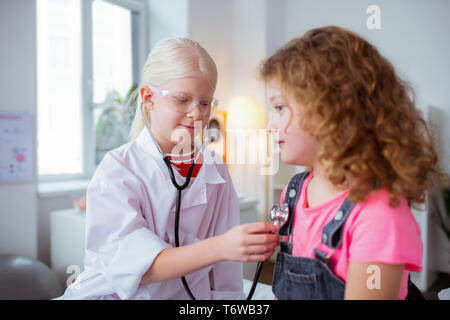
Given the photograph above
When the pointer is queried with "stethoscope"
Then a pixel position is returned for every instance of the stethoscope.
(278, 216)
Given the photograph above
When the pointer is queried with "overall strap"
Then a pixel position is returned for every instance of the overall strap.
(291, 198)
(332, 232)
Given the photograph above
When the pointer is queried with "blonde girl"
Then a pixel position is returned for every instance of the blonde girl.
(130, 242)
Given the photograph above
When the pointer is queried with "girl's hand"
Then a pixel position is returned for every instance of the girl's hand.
(249, 242)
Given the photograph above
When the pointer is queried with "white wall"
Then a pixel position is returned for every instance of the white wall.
(168, 18)
(211, 24)
(275, 25)
(414, 36)
(18, 230)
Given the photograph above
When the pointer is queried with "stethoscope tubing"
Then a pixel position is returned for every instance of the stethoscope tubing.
(180, 188)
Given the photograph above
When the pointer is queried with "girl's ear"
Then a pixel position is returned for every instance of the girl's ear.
(146, 96)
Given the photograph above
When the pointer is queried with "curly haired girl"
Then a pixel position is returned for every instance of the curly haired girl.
(340, 109)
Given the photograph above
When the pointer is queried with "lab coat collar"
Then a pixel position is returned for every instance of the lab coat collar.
(208, 173)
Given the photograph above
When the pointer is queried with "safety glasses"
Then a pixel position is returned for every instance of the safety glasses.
(182, 102)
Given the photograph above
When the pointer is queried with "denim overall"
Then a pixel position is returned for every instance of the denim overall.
(300, 278)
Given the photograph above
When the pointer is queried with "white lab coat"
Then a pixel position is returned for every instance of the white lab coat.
(130, 220)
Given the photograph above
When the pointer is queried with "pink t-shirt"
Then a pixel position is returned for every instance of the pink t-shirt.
(373, 232)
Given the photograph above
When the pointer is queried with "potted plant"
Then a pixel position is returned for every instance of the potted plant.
(114, 121)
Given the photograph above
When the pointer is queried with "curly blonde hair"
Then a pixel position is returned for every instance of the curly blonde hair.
(368, 124)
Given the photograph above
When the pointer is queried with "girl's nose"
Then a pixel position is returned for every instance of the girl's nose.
(195, 113)
(271, 125)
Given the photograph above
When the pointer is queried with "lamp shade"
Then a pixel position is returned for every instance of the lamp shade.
(246, 112)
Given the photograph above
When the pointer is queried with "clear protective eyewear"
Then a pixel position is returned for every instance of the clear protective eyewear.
(184, 103)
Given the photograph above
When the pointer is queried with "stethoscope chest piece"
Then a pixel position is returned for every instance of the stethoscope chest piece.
(279, 215)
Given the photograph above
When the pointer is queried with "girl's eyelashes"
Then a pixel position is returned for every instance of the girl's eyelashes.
(278, 108)
(181, 99)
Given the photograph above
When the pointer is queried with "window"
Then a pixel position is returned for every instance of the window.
(89, 52)
(59, 93)
(113, 73)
